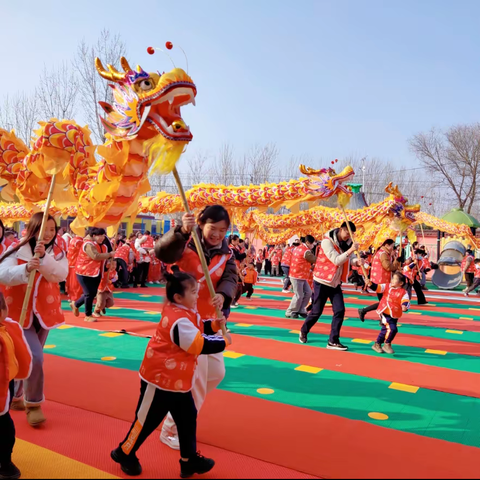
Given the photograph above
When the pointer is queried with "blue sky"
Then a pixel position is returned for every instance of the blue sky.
(323, 78)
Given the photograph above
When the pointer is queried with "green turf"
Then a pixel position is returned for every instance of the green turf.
(429, 413)
(454, 361)
(418, 330)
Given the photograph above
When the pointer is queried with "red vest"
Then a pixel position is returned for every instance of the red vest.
(165, 364)
(276, 257)
(410, 273)
(259, 256)
(379, 275)
(86, 266)
(190, 263)
(392, 299)
(15, 359)
(123, 252)
(477, 272)
(106, 281)
(324, 269)
(471, 267)
(287, 256)
(45, 302)
(73, 250)
(300, 268)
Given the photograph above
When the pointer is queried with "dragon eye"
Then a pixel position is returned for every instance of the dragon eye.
(146, 85)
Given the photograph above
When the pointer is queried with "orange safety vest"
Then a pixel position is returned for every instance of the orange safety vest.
(379, 275)
(190, 263)
(300, 268)
(165, 365)
(392, 299)
(45, 302)
(15, 359)
(324, 269)
(86, 266)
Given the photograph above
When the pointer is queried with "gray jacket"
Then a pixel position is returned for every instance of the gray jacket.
(336, 258)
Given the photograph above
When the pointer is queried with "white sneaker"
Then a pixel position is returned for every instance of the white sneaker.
(170, 440)
(285, 291)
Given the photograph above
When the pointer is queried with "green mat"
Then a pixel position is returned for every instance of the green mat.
(450, 417)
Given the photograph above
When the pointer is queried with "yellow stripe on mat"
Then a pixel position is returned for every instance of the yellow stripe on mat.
(436, 352)
(230, 354)
(404, 388)
(38, 462)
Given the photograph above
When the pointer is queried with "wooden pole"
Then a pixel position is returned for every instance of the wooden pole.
(353, 240)
(423, 233)
(31, 278)
(198, 245)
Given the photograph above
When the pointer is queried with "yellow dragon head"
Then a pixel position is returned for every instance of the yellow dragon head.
(147, 104)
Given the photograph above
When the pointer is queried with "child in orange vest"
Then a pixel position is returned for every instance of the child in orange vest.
(249, 279)
(276, 258)
(44, 311)
(167, 374)
(15, 363)
(394, 302)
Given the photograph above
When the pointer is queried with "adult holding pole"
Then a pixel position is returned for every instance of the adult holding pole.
(331, 269)
(39, 262)
(186, 245)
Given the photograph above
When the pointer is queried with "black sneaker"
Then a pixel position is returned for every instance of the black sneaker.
(336, 346)
(361, 314)
(143, 286)
(130, 465)
(294, 315)
(303, 315)
(197, 464)
(302, 338)
(9, 470)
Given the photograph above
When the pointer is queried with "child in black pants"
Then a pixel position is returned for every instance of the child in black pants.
(167, 376)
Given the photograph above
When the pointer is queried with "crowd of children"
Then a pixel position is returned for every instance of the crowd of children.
(189, 332)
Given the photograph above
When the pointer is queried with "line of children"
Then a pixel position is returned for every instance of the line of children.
(167, 377)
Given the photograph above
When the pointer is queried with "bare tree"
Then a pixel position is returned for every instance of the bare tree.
(453, 158)
(223, 170)
(197, 165)
(20, 113)
(57, 93)
(92, 88)
(261, 161)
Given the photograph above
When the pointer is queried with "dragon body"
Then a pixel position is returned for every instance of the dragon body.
(145, 131)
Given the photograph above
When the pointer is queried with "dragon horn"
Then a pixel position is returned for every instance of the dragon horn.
(112, 75)
(125, 65)
(308, 171)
